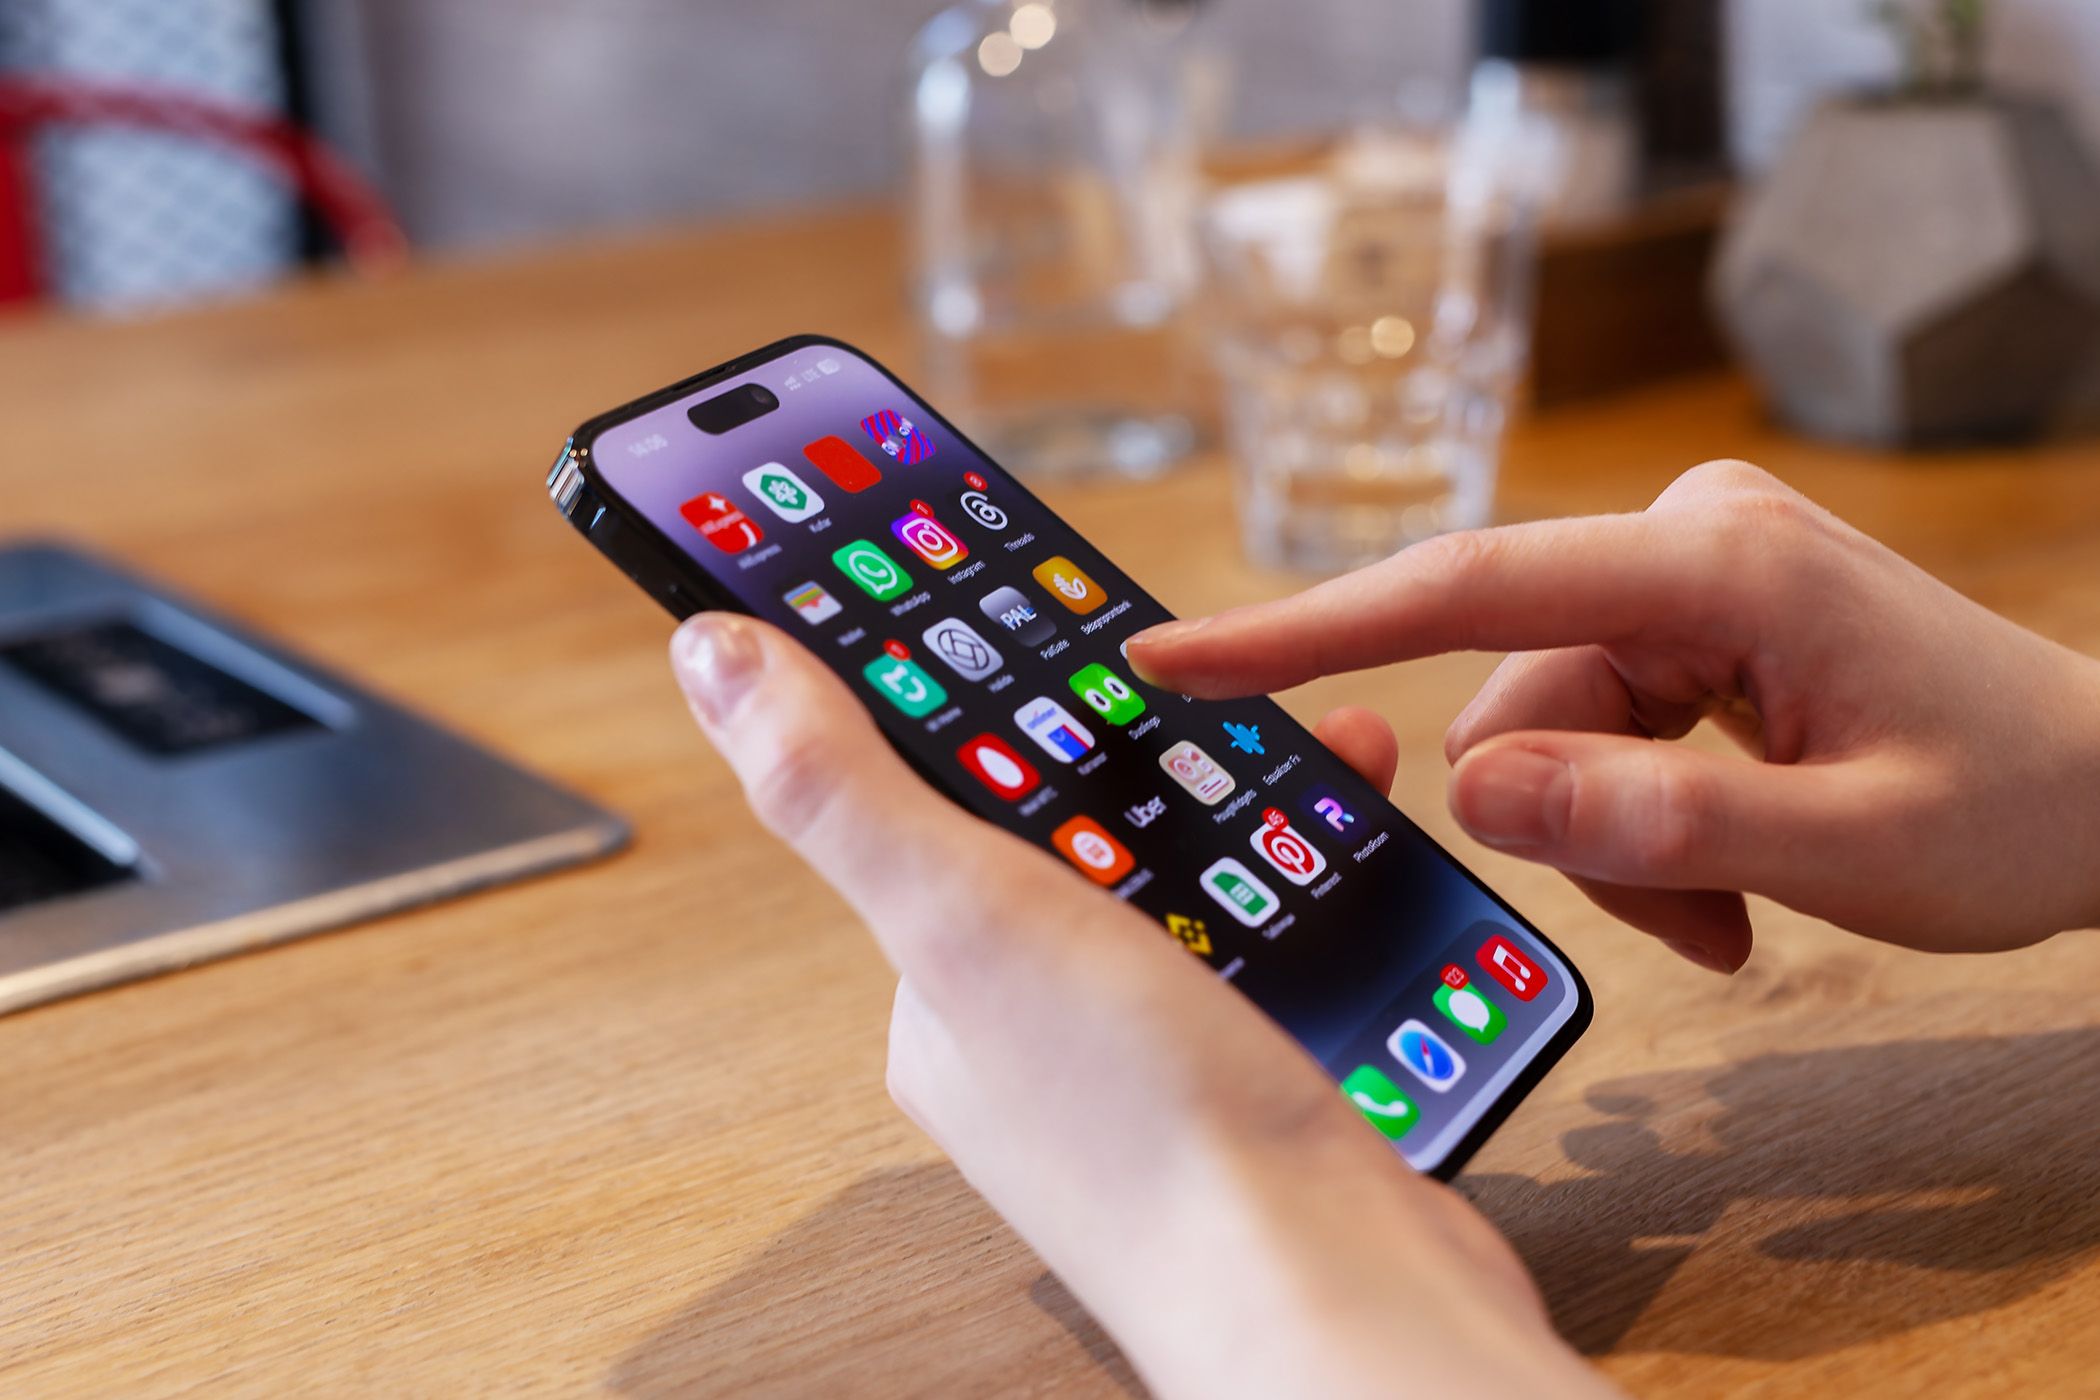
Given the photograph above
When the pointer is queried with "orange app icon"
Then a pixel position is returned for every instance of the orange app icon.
(1068, 583)
(1100, 855)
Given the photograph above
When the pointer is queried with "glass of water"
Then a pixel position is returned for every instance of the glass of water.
(1368, 318)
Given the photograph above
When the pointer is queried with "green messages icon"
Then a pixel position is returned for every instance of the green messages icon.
(877, 574)
(1380, 1101)
(1469, 1009)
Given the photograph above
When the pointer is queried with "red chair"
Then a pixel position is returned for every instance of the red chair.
(347, 207)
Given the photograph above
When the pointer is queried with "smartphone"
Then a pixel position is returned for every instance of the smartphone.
(805, 484)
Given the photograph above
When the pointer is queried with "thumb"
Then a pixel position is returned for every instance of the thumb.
(926, 876)
(1651, 815)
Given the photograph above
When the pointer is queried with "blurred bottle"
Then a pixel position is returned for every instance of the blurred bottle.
(1570, 65)
(1054, 167)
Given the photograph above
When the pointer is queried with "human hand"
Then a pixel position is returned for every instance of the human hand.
(1930, 772)
(1189, 1172)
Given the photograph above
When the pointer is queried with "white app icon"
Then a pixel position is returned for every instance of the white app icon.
(788, 495)
(1051, 725)
(979, 508)
(957, 643)
(1244, 897)
(1198, 772)
(1295, 858)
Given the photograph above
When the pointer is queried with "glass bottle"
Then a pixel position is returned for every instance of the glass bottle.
(1054, 164)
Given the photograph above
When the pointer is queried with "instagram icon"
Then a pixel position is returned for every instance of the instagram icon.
(930, 540)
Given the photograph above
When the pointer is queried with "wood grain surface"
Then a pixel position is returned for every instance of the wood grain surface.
(623, 1131)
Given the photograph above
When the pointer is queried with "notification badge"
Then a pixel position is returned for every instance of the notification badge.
(1518, 974)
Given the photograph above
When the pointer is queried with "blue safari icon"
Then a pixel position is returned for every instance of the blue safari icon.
(1424, 1051)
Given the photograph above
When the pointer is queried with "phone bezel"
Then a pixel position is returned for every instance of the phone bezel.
(682, 587)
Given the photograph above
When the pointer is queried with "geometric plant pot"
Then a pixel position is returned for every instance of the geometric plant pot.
(1914, 272)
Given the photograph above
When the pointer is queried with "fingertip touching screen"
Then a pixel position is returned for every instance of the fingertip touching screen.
(986, 637)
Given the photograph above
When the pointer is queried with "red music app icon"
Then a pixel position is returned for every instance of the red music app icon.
(1522, 977)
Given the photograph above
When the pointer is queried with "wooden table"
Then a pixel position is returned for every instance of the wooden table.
(624, 1130)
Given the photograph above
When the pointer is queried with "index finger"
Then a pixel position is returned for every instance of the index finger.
(1553, 583)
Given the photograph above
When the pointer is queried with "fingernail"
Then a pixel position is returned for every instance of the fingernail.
(1697, 954)
(717, 658)
(1167, 633)
(1513, 798)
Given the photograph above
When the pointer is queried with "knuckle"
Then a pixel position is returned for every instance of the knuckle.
(1679, 823)
(1773, 515)
(1728, 476)
(1760, 536)
(1449, 570)
(792, 785)
(1458, 557)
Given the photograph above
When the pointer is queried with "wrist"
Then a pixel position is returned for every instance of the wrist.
(1373, 1279)
(2082, 861)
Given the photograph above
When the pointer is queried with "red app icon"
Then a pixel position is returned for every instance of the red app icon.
(837, 459)
(1099, 855)
(1512, 969)
(998, 767)
(721, 524)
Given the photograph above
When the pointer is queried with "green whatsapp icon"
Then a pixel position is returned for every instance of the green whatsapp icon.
(877, 574)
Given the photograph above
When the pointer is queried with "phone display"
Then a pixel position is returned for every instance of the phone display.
(806, 485)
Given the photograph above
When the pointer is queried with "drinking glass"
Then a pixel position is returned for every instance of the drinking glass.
(1368, 320)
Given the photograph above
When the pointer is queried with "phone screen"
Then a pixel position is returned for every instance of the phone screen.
(986, 637)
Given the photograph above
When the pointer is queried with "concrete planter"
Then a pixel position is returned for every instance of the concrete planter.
(1923, 272)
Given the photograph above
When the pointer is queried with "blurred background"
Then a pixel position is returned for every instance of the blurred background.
(1343, 238)
(487, 123)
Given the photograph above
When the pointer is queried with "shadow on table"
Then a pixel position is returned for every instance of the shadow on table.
(1774, 1208)
(1816, 1200)
(903, 1284)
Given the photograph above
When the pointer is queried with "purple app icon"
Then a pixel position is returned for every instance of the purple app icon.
(899, 438)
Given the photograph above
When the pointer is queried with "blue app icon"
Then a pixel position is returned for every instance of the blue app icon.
(1325, 806)
(1424, 1051)
(1245, 737)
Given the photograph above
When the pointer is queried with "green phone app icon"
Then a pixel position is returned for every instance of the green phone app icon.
(1107, 694)
(877, 574)
(1471, 1011)
(906, 685)
(1380, 1101)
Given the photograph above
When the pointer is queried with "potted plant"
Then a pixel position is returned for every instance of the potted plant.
(1923, 263)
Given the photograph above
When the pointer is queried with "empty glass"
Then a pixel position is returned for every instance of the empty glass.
(1053, 159)
(1369, 321)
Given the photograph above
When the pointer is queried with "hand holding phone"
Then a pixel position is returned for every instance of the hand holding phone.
(803, 484)
(1122, 1108)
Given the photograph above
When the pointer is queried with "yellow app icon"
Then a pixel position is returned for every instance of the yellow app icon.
(1068, 583)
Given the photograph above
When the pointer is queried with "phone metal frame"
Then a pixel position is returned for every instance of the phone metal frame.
(683, 588)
